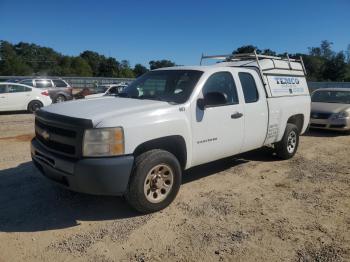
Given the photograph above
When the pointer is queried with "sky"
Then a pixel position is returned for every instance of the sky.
(179, 30)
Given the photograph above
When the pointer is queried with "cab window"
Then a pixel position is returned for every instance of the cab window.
(250, 90)
(222, 82)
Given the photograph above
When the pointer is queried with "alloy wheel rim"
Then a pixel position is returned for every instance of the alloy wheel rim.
(35, 107)
(291, 142)
(59, 99)
(158, 183)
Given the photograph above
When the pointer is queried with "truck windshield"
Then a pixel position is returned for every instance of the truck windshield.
(173, 86)
(339, 97)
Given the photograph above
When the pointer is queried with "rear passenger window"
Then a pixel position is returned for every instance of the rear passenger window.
(250, 91)
(59, 83)
(222, 82)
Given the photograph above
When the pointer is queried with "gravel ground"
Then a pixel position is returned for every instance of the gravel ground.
(250, 207)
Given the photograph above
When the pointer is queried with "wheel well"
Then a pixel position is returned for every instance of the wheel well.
(297, 120)
(61, 94)
(173, 144)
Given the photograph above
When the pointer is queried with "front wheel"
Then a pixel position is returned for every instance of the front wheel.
(155, 181)
(287, 147)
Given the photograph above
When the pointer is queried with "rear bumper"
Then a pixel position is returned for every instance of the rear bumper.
(97, 176)
(331, 124)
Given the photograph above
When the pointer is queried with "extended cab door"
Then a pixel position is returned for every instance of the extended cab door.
(255, 109)
(217, 130)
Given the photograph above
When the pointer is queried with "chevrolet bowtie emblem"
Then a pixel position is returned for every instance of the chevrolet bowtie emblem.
(45, 135)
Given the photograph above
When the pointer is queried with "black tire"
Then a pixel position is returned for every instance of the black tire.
(60, 99)
(287, 147)
(34, 106)
(144, 164)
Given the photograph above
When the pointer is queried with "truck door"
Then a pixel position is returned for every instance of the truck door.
(218, 129)
(255, 110)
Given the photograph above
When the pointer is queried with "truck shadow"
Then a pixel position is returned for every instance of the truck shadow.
(264, 154)
(31, 203)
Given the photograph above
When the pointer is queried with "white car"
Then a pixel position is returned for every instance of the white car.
(139, 143)
(18, 97)
(107, 90)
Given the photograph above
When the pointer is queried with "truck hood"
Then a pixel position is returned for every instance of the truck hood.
(328, 107)
(99, 109)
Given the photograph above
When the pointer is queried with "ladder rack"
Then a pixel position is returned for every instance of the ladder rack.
(253, 57)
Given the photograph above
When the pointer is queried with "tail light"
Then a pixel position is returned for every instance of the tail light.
(45, 93)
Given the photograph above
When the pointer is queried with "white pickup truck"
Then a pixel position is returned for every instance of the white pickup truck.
(139, 143)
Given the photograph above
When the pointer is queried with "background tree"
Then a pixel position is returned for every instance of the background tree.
(246, 49)
(10, 64)
(334, 68)
(94, 60)
(160, 64)
(79, 67)
(322, 62)
(109, 68)
(125, 70)
(139, 70)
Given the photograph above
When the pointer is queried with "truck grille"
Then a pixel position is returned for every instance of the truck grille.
(59, 134)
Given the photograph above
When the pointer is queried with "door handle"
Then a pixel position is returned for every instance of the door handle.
(236, 115)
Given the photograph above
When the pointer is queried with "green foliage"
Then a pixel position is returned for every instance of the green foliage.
(334, 68)
(321, 63)
(160, 64)
(246, 49)
(139, 70)
(94, 60)
(31, 59)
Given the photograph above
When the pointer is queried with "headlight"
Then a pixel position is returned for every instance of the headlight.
(342, 114)
(103, 142)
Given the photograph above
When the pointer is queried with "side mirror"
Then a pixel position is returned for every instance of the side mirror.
(212, 99)
(201, 103)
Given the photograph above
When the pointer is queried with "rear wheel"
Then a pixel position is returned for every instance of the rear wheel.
(60, 99)
(287, 147)
(155, 181)
(34, 106)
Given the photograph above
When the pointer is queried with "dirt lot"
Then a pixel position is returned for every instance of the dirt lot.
(247, 208)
